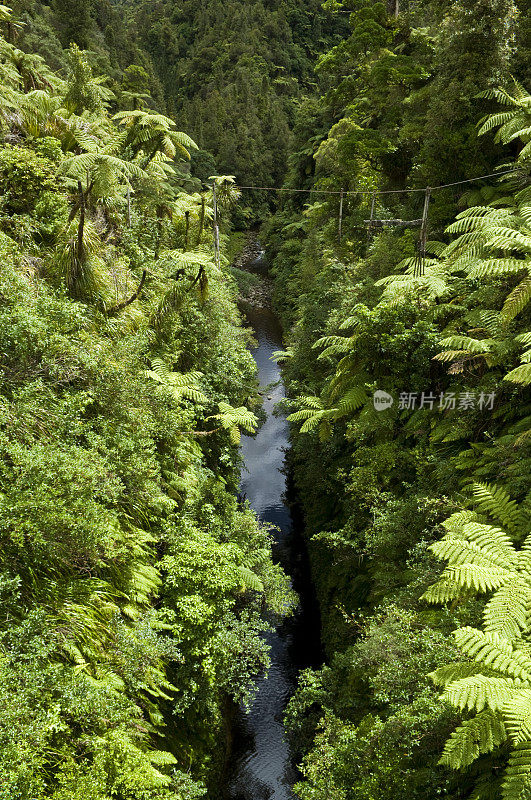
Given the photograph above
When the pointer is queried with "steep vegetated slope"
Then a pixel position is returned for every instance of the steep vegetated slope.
(417, 94)
(134, 586)
(231, 72)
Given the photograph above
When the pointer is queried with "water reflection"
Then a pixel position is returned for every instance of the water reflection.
(261, 766)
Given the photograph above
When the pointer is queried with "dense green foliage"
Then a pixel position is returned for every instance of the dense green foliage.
(134, 586)
(231, 72)
(409, 99)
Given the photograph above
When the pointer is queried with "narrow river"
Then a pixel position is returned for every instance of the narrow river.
(261, 768)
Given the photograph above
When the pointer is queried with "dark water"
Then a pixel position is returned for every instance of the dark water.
(260, 766)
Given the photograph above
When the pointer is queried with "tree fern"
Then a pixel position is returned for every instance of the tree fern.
(495, 682)
(473, 738)
(489, 242)
(278, 356)
(514, 123)
(318, 414)
(154, 133)
(517, 780)
(176, 385)
(479, 692)
(249, 579)
(496, 502)
(427, 277)
(233, 419)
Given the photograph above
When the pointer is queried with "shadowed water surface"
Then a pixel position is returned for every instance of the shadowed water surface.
(261, 768)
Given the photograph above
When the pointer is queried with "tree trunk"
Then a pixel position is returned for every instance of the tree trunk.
(81, 226)
(128, 206)
(187, 231)
(393, 7)
(133, 297)
(152, 154)
(201, 220)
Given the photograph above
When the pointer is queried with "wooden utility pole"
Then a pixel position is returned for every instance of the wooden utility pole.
(340, 232)
(187, 231)
(393, 7)
(424, 231)
(201, 219)
(369, 229)
(128, 206)
(216, 228)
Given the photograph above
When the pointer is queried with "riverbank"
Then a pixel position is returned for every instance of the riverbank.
(251, 273)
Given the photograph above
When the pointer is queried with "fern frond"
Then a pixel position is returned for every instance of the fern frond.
(520, 374)
(456, 671)
(460, 551)
(495, 501)
(507, 612)
(517, 716)
(177, 385)
(314, 421)
(495, 121)
(301, 415)
(282, 355)
(495, 540)
(249, 579)
(480, 692)
(507, 239)
(494, 651)
(477, 576)
(467, 344)
(233, 419)
(496, 266)
(349, 322)
(333, 345)
(310, 402)
(474, 738)
(351, 401)
(518, 299)
(443, 590)
(456, 522)
(517, 781)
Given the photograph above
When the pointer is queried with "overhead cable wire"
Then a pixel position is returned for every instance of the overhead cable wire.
(371, 191)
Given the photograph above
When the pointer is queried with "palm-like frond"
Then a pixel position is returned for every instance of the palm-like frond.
(282, 355)
(319, 414)
(176, 385)
(476, 736)
(494, 501)
(154, 133)
(495, 682)
(514, 123)
(233, 419)
(78, 263)
(249, 579)
(100, 169)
